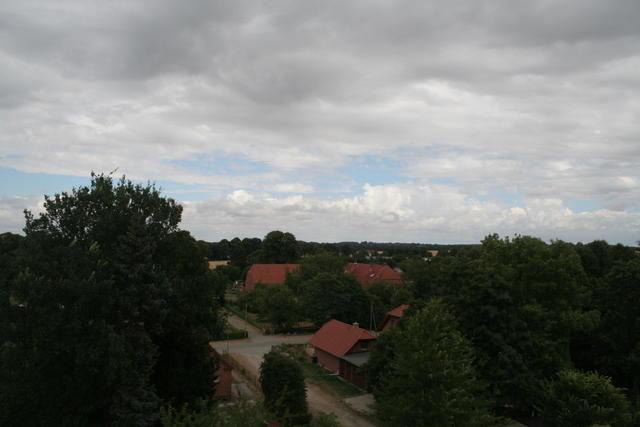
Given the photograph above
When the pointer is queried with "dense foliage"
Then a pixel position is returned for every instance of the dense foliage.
(106, 310)
(577, 399)
(334, 296)
(279, 248)
(430, 379)
(274, 304)
(533, 309)
(284, 390)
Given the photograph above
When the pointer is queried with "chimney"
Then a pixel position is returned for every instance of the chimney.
(356, 324)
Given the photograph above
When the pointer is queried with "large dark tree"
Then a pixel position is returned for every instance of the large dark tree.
(109, 312)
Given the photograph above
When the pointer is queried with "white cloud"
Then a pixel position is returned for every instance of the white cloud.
(408, 212)
(12, 212)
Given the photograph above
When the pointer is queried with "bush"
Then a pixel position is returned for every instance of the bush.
(322, 419)
(207, 414)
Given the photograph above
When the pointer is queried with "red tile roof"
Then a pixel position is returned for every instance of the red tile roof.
(392, 317)
(337, 338)
(398, 311)
(367, 274)
(269, 274)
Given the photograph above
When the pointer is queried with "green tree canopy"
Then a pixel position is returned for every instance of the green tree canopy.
(579, 399)
(334, 296)
(431, 380)
(279, 248)
(273, 303)
(312, 265)
(109, 313)
(520, 301)
(282, 384)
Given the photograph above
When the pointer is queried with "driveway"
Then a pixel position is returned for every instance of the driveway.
(249, 352)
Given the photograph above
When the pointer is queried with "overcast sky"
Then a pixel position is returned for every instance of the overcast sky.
(409, 121)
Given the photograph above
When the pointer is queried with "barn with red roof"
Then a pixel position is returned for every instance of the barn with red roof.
(268, 274)
(392, 317)
(367, 274)
(343, 348)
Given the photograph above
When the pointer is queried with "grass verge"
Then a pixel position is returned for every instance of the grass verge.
(321, 377)
(232, 333)
(241, 313)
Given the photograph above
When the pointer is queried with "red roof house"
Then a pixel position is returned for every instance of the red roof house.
(366, 274)
(392, 317)
(343, 348)
(268, 274)
(223, 378)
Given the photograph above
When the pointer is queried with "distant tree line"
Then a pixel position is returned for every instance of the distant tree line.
(282, 247)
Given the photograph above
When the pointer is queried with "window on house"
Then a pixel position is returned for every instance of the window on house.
(364, 345)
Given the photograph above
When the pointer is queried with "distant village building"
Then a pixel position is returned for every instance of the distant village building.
(343, 348)
(215, 264)
(367, 274)
(268, 274)
(393, 317)
(276, 274)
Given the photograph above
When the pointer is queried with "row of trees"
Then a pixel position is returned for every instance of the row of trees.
(553, 329)
(240, 250)
(106, 310)
(276, 248)
(282, 247)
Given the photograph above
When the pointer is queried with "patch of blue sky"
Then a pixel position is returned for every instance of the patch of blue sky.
(502, 196)
(583, 205)
(17, 183)
(372, 170)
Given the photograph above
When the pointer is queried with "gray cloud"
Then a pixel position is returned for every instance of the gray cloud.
(536, 98)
